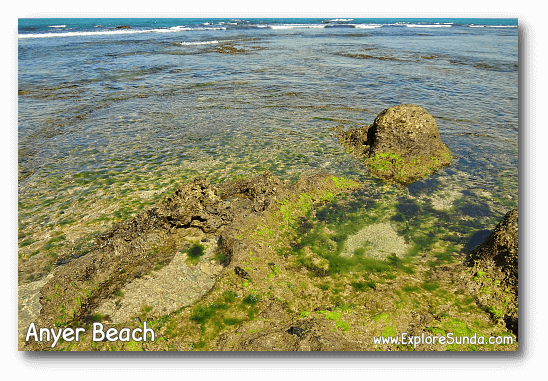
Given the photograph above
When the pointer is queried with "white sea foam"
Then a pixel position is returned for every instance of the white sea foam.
(501, 26)
(207, 28)
(341, 20)
(57, 26)
(367, 26)
(476, 26)
(179, 28)
(172, 29)
(294, 26)
(117, 32)
(78, 34)
(427, 26)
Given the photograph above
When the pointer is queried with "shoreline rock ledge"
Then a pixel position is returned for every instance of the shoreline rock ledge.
(401, 146)
(495, 263)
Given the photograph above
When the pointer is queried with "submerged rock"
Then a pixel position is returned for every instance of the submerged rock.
(401, 146)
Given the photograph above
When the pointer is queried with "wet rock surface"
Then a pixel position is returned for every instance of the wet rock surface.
(260, 192)
(402, 145)
(164, 290)
(29, 303)
(408, 129)
(496, 261)
(128, 252)
(310, 335)
(229, 48)
(500, 250)
(212, 268)
(122, 260)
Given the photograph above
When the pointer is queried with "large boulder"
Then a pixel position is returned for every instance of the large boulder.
(495, 268)
(402, 145)
(499, 252)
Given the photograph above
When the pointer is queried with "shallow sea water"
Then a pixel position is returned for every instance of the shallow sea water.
(109, 124)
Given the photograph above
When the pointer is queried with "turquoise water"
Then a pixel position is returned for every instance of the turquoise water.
(63, 25)
(112, 119)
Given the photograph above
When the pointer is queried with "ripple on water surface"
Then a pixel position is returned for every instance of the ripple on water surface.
(108, 126)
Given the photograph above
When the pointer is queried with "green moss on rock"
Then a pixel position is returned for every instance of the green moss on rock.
(401, 146)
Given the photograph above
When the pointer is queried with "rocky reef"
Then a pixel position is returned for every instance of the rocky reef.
(401, 146)
(264, 264)
(156, 262)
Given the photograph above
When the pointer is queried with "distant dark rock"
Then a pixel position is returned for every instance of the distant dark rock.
(123, 27)
(401, 146)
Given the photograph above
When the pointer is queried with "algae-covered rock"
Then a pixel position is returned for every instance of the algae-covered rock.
(499, 252)
(401, 146)
(140, 264)
(308, 335)
(495, 263)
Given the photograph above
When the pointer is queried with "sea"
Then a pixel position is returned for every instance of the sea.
(114, 113)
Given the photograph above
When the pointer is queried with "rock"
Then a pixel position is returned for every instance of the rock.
(295, 331)
(186, 207)
(401, 146)
(132, 253)
(228, 49)
(311, 335)
(123, 27)
(495, 263)
(499, 252)
(241, 272)
(262, 190)
(408, 129)
(211, 210)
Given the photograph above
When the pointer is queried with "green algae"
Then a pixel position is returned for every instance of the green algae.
(394, 168)
(26, 242)
(363, 286)
(292, 212)
(389, 331)
(430, 286)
